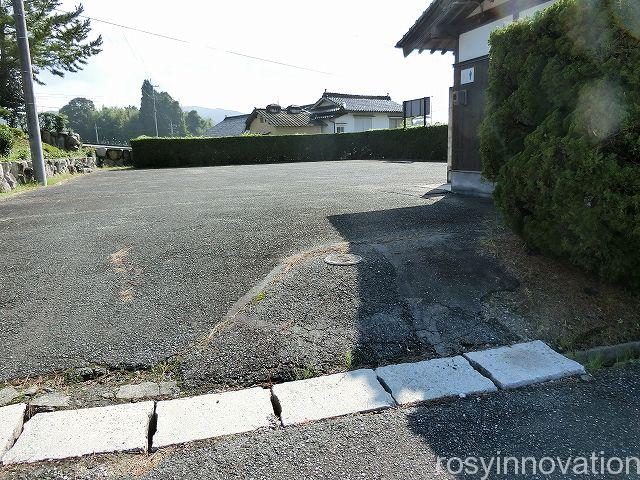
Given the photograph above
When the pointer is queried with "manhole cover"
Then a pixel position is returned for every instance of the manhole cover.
(342, 259)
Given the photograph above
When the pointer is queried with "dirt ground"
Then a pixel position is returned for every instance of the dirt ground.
(556, 302)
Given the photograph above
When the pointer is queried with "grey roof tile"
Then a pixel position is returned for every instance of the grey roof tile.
(364, 103)
(229, 127)
(286, 119)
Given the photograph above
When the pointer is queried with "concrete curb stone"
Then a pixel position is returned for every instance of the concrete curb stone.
(523, 364)
(330, 396)
(11, 420)
(73, 433)
(432, 379)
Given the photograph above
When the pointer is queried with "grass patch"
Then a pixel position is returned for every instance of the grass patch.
(20, 150)
(21, 188)
(308, 371)
(26, 187)
(167, 369)
(60, 178)
(348, 359)
(110, 169)
(595, 364)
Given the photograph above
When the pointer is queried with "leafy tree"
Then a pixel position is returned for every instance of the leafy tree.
(82, 115)
(117, 125)
(52, 122)
(147, 122)
(59, 43)
(6, 140)
(169, 115)
(196, 125)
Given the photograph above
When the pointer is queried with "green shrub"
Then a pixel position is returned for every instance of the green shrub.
(6, 140)
(423, 143)
(53, 122)
(561, 136)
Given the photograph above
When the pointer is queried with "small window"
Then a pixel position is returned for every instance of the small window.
(396, 122)
(363, 124)
(340, 128)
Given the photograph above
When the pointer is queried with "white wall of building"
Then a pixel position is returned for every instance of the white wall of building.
(379, 121)
(475, 43)
(529, 12)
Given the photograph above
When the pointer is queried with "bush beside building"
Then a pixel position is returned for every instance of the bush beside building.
(561, 137)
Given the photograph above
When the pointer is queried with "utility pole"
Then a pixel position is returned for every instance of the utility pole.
(155, 112)
(35, 142)
(95, 124)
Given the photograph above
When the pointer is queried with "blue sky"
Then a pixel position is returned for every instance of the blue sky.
(353, 41)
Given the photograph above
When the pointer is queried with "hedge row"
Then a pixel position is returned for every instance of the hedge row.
(419, 143)
(561, 135)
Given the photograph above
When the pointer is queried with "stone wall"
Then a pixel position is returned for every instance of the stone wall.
(13, 174)
(113, 156)
(63, 140)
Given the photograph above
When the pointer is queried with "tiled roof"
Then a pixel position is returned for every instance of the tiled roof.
(229, 127)
(363, 103)
(327, 112)
(286, 119)
(427, 32)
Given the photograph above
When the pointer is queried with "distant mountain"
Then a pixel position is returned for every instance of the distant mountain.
(216, 115)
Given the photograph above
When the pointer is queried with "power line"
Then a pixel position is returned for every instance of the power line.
(188, 42)
(61, 96)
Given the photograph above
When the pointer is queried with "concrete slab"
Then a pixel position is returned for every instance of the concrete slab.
(331, 396)
(137, 391)
(208, 416)
(432, 379)
(8, 395)
(11, 419)
(523, 364)
(51, 400)
(73, 433)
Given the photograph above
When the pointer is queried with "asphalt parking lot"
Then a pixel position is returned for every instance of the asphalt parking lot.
(130, 268)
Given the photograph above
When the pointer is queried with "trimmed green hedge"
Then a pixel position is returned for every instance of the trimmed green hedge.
(561, 136)
(419, 143)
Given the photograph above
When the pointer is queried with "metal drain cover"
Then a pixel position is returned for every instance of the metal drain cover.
(342, 259)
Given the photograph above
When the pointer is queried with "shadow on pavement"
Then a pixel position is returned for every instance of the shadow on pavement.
(428, 262)
(418, 294)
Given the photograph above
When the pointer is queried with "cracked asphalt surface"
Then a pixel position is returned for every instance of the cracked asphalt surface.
(558, 419)
(130, 268)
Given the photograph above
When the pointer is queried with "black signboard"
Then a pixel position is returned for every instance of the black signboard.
(420, 107)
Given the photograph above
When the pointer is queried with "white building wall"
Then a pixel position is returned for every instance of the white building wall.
(475, 43)
(379, 121)
(529, 12)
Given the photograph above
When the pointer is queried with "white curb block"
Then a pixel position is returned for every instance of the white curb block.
(432, 379)
(125, 428)
(11, 420)
(331, 396)
(73, 433)
(209, 416)
(523, 364)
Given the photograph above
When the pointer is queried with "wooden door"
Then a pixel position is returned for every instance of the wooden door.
(468, 97)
